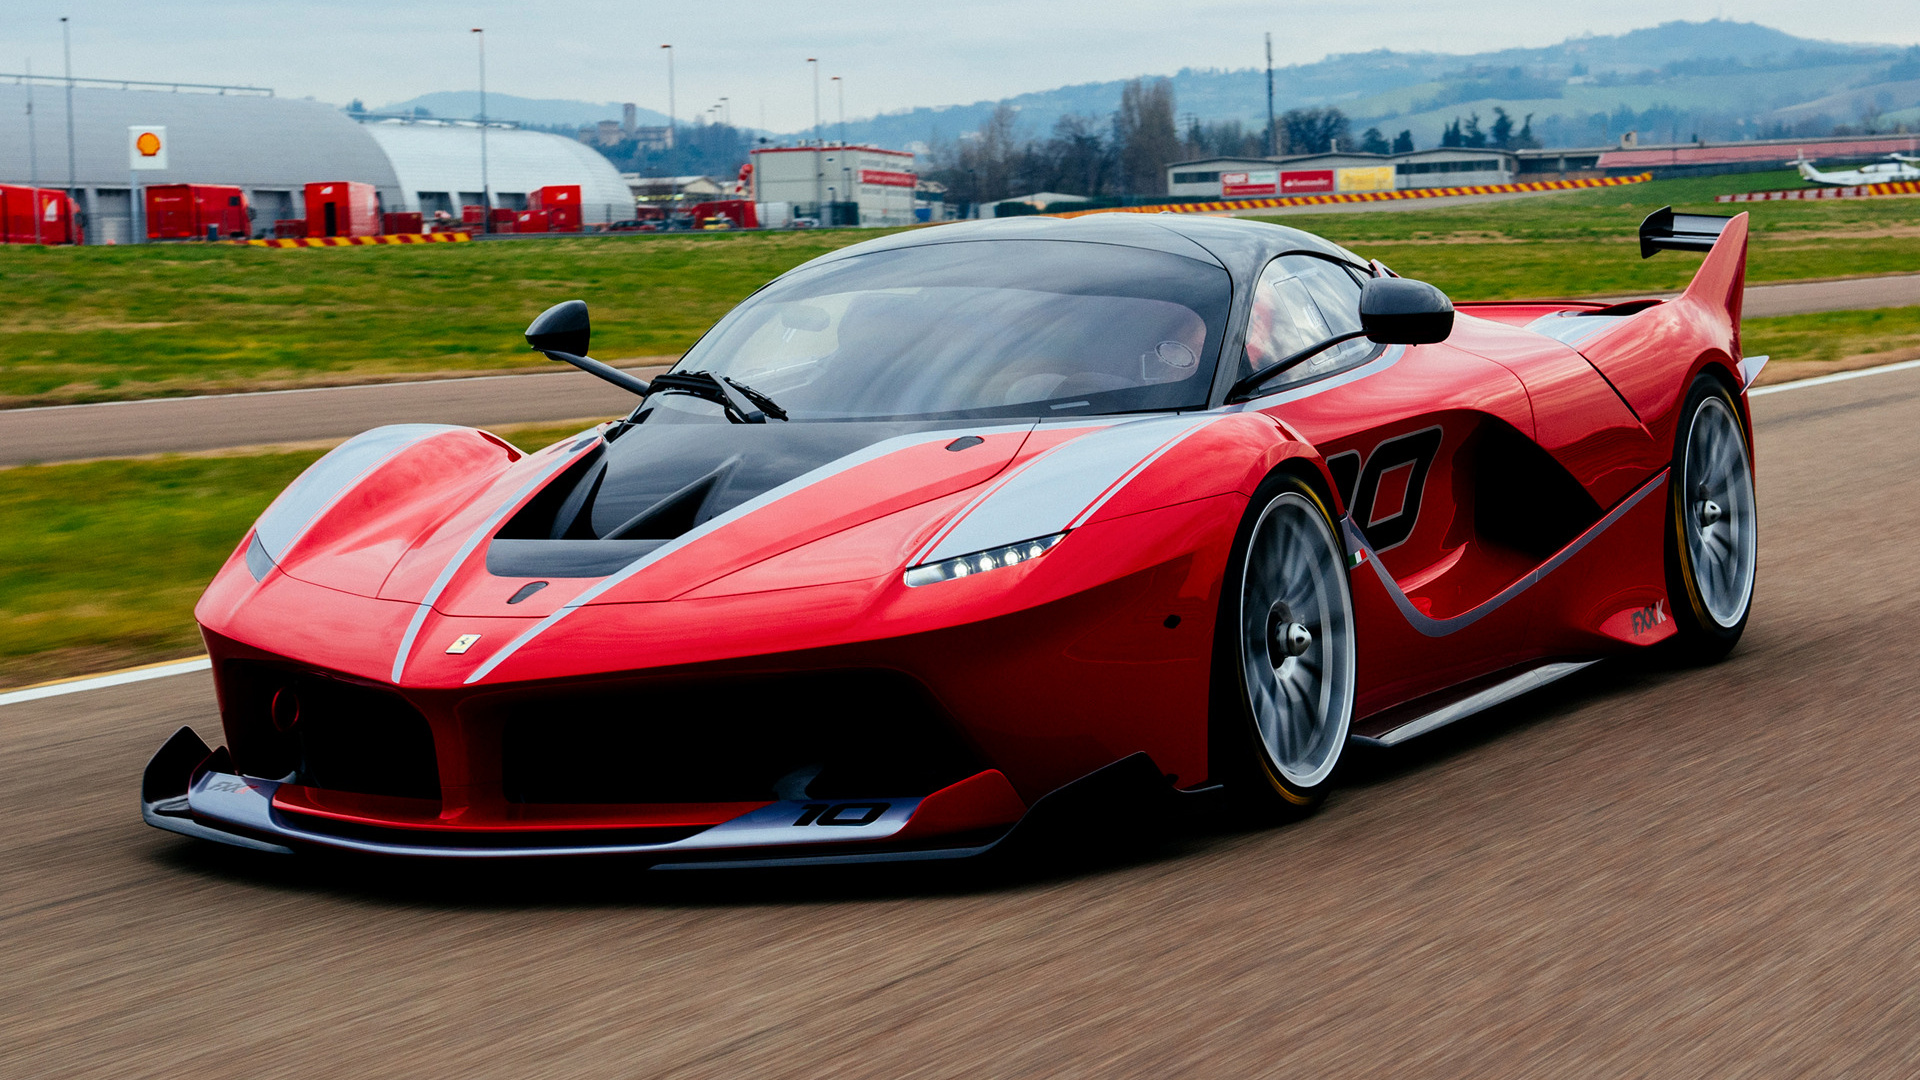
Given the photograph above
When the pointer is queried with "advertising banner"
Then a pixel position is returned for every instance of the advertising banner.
(1366, 178)
(1249, 183)
(1306, 182)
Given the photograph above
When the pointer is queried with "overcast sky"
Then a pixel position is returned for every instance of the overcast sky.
(892, 54)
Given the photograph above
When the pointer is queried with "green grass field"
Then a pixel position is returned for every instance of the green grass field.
(1583, 243)
(105, 323)
(101, 562)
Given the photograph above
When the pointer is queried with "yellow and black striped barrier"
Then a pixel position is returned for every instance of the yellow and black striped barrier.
(1278, 202)
(356, 241)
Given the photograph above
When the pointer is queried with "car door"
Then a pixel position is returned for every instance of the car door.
(1416, 438)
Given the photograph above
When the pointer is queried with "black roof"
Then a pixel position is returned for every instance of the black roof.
(1241, 246)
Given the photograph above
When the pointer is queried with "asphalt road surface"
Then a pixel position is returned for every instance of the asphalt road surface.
(1644, 872)
(179, 425)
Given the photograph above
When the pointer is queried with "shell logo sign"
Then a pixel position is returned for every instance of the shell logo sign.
(146, 147)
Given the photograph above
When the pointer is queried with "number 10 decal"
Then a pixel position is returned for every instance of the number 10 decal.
(1383, 509)
(850, 814)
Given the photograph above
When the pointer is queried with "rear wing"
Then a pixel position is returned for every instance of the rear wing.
(1664, 230)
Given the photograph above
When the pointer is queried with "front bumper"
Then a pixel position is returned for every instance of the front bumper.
(194, 791)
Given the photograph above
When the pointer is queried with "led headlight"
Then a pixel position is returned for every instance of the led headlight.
(980, 562)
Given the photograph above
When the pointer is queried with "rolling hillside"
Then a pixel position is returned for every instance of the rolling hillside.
(1717, 79)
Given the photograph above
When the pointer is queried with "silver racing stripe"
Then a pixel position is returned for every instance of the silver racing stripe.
(459, 558)
(1062, 488)
(325, 480)
(764, 499)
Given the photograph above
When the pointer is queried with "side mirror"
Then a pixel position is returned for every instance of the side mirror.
(1402, 311)
(561, 328)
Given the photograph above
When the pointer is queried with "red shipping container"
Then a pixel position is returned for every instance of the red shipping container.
(400, 222)
(562, 204)
(289, 228)
(60, 218)
(342, 208)
(503, 216)
(184, 211)
(739, 212)
(472, 214)
(531, 221)
(20, 206)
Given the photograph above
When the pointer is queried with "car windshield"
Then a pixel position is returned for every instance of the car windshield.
(980, 328)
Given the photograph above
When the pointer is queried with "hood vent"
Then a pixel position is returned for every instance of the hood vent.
(553, 536)
(677, 513)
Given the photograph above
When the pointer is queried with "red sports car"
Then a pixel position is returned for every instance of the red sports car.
(944, 528)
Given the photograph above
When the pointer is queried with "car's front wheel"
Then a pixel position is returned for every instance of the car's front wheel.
(1285, 641)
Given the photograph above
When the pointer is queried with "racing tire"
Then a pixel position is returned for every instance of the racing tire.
(1284, 654)
(1712, 535)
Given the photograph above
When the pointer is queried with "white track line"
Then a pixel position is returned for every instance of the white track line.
(1838, 376)
(183, 667)
(101, 682)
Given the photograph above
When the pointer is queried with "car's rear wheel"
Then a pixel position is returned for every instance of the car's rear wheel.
(1285, 643)
(1712, 525)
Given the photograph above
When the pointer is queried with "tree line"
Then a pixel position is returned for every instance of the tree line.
(1128, 151)
(1500, 136)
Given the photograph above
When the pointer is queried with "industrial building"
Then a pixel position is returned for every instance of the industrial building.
(835, 184)
(272, 147)
(1337, 173)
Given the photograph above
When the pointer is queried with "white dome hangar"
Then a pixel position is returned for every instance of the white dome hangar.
(272, 147)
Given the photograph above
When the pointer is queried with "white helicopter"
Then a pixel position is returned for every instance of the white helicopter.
(1900, 167)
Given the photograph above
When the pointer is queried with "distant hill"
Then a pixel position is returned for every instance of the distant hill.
(1718, 79)
(546, 112)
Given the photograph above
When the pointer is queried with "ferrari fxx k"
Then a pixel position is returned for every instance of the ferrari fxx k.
(938, 529)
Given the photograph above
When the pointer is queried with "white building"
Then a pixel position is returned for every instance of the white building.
(437, 165)
(694, 188)
(1455, 166)
(272, 147)
(878, 183)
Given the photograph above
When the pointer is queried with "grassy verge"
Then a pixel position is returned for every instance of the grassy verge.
(101, 562)
(1583, 243)
(1806, 345)
(105, 323)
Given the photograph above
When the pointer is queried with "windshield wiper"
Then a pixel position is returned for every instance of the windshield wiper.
(744, 404)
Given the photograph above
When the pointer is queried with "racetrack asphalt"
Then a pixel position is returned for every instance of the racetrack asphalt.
(183, 425)
(1638, 872)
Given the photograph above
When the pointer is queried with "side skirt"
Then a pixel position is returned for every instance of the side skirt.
(1397, 725)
